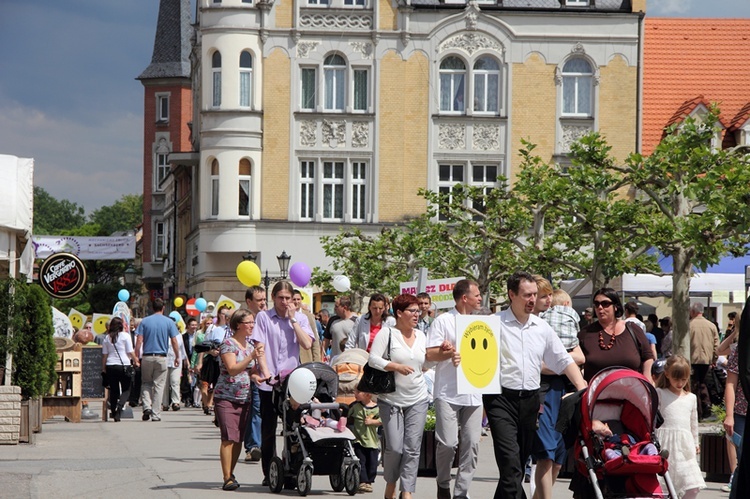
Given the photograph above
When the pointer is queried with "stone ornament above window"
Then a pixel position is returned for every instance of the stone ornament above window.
(308, 133)
(360, 134)
(363, 48)
(452, 136)
(304, 48)
(571, 133)
(470, 43)
(486, 138)
(335, 21)
(334, 133)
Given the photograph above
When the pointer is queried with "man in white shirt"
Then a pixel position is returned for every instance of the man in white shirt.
(451, 409)
(526, 342)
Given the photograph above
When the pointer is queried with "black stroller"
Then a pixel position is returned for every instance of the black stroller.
(309, 450)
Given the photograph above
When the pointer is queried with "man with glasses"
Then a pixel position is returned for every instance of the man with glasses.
(454, 411)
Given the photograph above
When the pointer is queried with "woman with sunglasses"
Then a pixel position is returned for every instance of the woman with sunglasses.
(609, 341)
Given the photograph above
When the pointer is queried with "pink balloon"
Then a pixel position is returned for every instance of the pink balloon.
(300, 274)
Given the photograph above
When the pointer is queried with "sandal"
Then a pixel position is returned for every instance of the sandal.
(231, 484)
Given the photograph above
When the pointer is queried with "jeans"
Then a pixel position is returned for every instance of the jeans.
(252, 432)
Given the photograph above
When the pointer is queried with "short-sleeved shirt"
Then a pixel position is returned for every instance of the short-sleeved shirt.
(740, 402)
(624, 351)
(277, 334)
(157, 330)
(565, 322)
(367, 435)
(445, 388)
(124, 347)
(339, 332)
(235, 388)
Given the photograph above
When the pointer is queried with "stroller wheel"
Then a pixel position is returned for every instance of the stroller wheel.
(351, 478)
(304, 480)
(276, 475)
(337, 482)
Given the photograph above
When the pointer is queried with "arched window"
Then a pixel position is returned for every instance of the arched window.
(215, 188)
(486, 85)
(245, 177)
(334, 73)
(577, 88)
(452, 77)
(216, 74)
(246, 78)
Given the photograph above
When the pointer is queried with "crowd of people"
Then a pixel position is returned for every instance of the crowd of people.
(224, 364)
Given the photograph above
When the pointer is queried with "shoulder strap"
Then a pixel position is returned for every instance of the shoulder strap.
(390, 333)
(635, 338)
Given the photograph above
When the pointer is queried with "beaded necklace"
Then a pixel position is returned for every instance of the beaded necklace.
(601, 341)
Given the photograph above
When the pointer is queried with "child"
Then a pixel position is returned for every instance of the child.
(679, 433)
(618, 444)
(364, 418)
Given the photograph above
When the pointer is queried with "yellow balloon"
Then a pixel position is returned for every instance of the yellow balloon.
(248, 273)
(178, 301)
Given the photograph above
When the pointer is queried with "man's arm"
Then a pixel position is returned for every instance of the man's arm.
(176, 349)
(574, 375)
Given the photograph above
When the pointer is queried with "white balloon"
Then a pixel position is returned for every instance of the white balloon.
(302, 385)
(341, 283)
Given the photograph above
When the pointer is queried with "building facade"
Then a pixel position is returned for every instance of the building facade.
(313, 115)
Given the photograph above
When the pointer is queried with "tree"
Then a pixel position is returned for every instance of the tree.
(583, 223)
(124, 215)
(51, 216)
(701, 196)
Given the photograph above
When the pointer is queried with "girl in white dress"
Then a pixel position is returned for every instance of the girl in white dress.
(679, 433)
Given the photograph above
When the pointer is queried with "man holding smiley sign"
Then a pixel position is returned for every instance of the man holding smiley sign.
(451, 408)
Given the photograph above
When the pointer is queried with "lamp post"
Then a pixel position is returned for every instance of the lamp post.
(283, 259)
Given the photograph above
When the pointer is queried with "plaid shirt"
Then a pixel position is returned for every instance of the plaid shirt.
(564, 321)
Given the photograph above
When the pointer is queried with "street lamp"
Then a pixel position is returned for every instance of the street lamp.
(283, 260)
(130, 275)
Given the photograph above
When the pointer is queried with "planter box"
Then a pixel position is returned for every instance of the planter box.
(31, 420)
(713, 457)
(427, 466)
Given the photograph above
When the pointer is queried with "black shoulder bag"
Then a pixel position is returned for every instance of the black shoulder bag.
(376, 381)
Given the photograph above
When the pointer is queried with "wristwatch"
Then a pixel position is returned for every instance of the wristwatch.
(293, 320)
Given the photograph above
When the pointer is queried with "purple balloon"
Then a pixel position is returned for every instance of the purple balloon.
(300, 274)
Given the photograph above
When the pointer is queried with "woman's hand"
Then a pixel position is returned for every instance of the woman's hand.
(404, 369)
(729, 425)
(456, 359)
(258, 351)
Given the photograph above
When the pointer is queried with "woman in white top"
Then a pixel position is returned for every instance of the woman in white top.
(367, 326)
(117, 355)
(402, 412)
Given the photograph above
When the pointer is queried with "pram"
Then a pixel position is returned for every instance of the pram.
(626, 399)
(313, 451)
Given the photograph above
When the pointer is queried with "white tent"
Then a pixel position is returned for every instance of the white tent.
(655, 285)
(16, 209)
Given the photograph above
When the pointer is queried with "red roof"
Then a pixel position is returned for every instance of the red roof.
(687, 62)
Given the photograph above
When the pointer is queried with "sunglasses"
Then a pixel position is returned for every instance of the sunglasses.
(603, 304)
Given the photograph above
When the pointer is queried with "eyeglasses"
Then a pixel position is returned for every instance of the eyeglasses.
(412, 310)
(248, 322)
(603, 304)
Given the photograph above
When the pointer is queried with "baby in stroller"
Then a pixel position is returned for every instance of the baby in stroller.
(619, 444)
(314, 418)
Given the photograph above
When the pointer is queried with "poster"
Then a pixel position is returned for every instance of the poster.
(478, 342)
(228, 302)
(440, 291)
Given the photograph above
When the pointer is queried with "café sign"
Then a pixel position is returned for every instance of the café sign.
(62, 275)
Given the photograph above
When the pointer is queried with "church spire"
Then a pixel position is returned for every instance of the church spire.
(171, 57)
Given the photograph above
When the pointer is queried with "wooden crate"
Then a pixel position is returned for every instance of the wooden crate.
(713, 457)
(71, 361)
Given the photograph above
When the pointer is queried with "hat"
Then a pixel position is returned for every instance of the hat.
(658, 366)
(588, 310)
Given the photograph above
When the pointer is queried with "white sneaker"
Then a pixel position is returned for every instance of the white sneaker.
(726, 488)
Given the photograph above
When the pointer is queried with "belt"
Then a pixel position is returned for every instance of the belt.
(519, 394)
(154, 355)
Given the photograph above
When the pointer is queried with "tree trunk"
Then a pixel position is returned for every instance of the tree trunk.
(682, 270)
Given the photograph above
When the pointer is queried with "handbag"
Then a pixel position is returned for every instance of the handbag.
(128, 369)
(376, 381)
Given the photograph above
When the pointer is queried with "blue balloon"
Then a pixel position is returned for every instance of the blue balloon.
(175, 316)
(123, 295)
(201, 304)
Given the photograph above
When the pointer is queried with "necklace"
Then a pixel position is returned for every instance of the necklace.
(601, 341)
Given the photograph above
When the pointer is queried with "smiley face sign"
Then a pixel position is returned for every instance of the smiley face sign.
(477, 339)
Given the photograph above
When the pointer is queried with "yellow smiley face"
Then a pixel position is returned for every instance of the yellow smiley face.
(100, 323)
(76, 320)
(479, 360)
(225, 303)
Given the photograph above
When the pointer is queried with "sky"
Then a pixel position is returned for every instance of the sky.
(69, 98)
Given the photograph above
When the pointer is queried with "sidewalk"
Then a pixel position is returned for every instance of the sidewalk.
(177, 457)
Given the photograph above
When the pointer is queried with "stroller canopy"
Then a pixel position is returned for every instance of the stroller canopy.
(620, 384)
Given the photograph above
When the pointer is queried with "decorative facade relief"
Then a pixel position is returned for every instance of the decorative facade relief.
(471, 42)
(571, 133)
(486, 138)
(472, 14)
(335, 21)
(308, 133)
(360, 134)
(452, 136)
(363, 48)
(578, 49)
(304, 48)
(334, 133)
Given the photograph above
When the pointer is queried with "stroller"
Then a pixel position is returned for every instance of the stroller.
(628, 402)
(312, 451)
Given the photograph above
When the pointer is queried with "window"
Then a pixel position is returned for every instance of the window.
(162, 108)
(484, 176)
(452, 76)
(309, 77)
(245, 176)
(577, 3)
(481, 175)
(486, 85)
(216, 74)
(246, 79)
(307, 186)
(448, 177)
(160, 239)
(577, 84)
(355, 2)
(334, 73)
(162, 168)
(338, 193)
(317, 2)
(215, 188)
(361, 98)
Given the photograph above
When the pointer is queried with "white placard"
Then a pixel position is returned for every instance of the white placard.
(478, 341)
(440, 291)
(86, 248)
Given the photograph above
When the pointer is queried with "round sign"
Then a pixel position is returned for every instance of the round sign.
(62, 275)
(190, 308)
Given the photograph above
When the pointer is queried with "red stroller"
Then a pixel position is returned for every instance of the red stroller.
(628, 402)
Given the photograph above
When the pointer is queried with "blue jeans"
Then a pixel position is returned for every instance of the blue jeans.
(252, 433)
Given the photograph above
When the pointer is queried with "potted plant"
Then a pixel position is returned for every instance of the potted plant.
(713, 456)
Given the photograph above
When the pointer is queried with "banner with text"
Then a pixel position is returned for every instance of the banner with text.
(86, 248)
(440, 291)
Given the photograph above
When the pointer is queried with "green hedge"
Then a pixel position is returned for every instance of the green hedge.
(26, 309)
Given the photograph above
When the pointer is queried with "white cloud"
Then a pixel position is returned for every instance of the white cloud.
(668, 7)
(92, 164)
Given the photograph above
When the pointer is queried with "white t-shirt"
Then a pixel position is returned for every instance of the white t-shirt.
(446, 383)
(409, 389)
(124, 347)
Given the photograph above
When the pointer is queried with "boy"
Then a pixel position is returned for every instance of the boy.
(364, 419)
